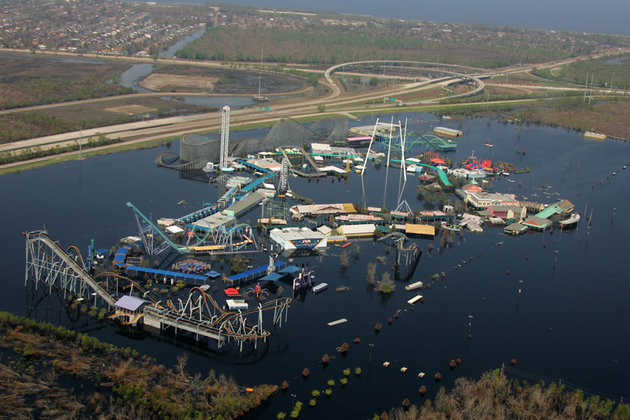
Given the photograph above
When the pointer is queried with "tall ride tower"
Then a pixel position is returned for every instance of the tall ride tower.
(225, 136)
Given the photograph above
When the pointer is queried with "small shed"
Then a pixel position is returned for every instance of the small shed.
(130, 305)
(128, 309)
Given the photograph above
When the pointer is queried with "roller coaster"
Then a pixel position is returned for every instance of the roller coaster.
(224, 239)
(48, 265)
(407, 258)
(170, 160)
(418, 142)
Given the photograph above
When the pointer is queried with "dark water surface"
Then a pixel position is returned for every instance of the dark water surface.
(569, 322)
(606, 17)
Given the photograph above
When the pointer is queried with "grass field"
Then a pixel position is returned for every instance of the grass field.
(604, 71)
(35, 79)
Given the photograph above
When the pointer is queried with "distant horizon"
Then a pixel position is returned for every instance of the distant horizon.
(603, 17)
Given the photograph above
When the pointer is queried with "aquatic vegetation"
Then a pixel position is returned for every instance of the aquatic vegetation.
(295, 413)
(325, 359)
(386, 285)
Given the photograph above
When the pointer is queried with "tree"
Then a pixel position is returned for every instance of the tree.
(374, 81)
(321, 108)
(386, 284)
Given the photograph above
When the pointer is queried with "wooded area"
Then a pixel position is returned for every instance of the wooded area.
(474, 45)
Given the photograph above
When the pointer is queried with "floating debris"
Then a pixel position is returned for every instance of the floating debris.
(337, 322)
(437, 376)
(386, 364)
(452, 364)
(422, 390)
(342, 288)
(414, 299)
(403, 369)
(421, 375)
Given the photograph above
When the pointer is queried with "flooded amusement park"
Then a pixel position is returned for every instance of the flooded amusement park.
(358, 259)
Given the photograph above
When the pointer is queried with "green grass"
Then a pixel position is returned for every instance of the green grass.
(603, 70)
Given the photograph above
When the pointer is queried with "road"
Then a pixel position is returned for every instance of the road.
(334, 102)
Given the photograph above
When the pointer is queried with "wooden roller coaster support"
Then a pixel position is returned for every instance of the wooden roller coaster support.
(48, 263)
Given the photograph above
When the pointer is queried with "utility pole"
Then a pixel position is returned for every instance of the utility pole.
(80, 139)
(585, 86)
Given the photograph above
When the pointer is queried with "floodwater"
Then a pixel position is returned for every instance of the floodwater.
(569, 321)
